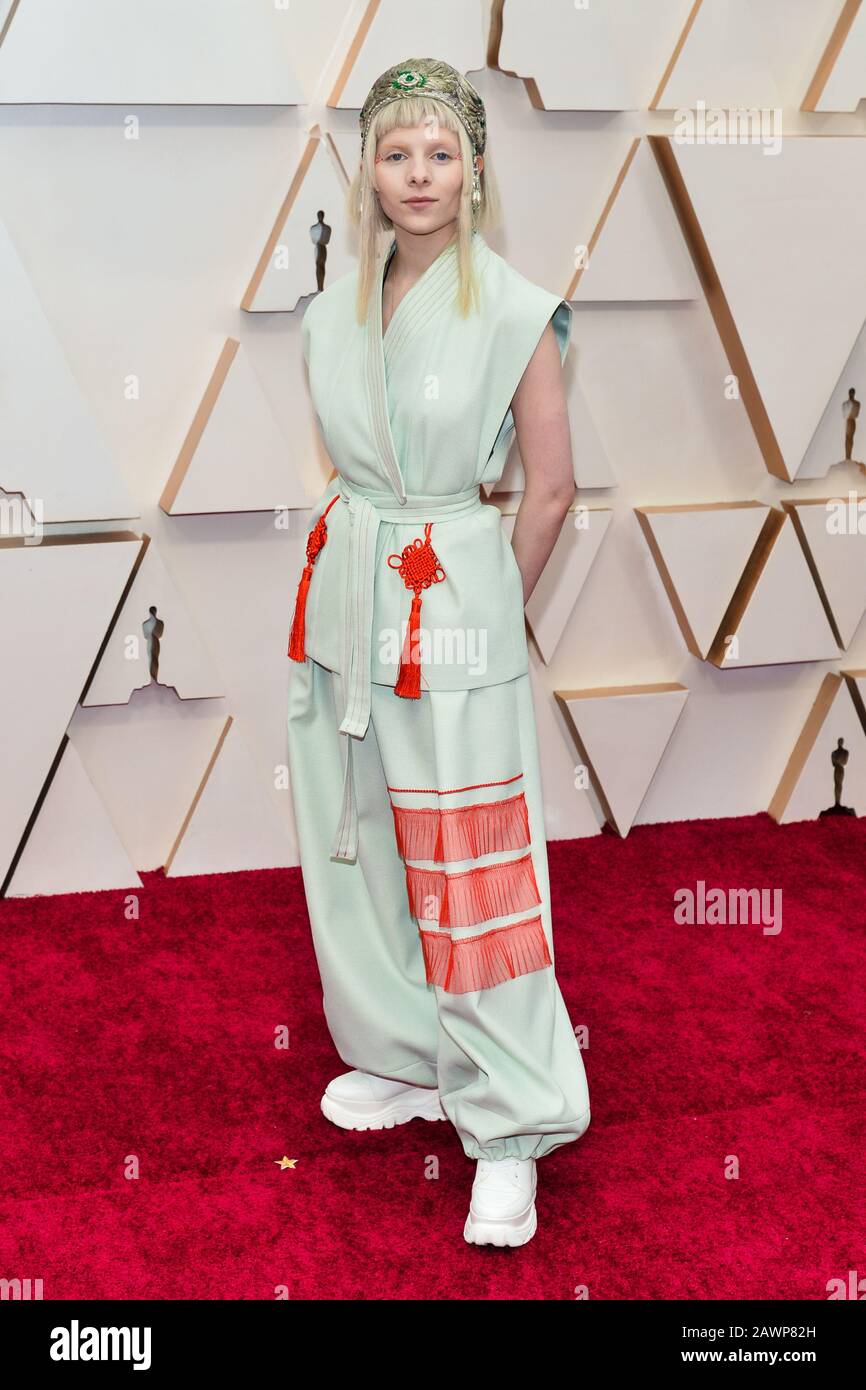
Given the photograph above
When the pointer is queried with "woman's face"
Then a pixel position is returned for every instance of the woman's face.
(416, 163)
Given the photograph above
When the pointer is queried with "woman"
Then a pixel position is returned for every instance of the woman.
(412, 743)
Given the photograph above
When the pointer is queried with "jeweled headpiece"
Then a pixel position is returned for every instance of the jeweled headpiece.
(433, 78)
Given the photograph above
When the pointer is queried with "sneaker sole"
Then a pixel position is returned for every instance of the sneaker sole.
(509, 1231)
(477, 1232)
(376, 1114)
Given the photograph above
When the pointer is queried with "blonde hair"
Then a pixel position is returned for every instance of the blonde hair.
(371, 220)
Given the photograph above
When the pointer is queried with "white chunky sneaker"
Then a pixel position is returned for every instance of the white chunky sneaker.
(357, 1100)
(502, 1207)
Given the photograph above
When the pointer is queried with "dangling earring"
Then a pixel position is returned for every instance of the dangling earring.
(476, 190)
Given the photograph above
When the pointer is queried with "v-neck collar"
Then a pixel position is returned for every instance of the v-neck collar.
(441, 268)
(431, 290)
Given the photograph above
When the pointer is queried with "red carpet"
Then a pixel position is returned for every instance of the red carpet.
(153, 1041)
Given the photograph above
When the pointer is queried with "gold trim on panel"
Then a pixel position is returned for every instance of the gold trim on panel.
(605, 213)
(198, 792)
(719, 307)
(834, 47)
(674, 58)
(34, 814)
(252, 289)
(199, 424)
(9, 18)
(642, 514)
(494, 43)
(354, 49)
(80, 538)
(852, 678)
(792, 508)
(745, 589)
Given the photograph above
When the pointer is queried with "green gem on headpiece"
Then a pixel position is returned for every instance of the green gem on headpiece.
(409, 79)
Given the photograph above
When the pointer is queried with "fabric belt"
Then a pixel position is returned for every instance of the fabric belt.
(366, 511)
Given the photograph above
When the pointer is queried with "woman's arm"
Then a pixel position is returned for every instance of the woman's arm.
(543, 432)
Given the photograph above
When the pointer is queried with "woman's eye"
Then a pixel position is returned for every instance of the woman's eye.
(398, 154)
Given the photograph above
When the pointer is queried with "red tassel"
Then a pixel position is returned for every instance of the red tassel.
(298, 633)
(315, 540)
(409, 676)
(419, 567)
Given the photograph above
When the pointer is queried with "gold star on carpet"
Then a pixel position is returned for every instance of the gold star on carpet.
(286, 1162)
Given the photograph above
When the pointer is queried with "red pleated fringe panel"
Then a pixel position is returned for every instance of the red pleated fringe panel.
(461, 832)
(476, 895)
(478, 962)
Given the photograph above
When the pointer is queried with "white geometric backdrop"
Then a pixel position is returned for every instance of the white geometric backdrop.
(697, 639)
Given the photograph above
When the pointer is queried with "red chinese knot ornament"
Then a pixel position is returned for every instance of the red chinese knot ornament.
(418, 566)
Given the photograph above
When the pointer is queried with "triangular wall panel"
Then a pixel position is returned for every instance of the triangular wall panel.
(637, 251)
(234, 457)
(559, 585)
(232, 818)
(701, 552)
(146, 763)
(776, 614)
(622, 733)
(72, 846)
(789, 312)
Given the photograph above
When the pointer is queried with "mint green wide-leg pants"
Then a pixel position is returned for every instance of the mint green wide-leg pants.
(505, 1058)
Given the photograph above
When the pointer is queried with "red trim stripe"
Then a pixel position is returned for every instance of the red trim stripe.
(451, 791)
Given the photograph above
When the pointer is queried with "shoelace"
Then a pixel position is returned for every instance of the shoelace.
(508, 1167)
